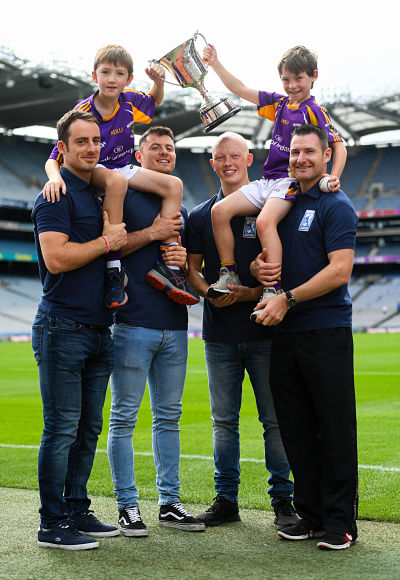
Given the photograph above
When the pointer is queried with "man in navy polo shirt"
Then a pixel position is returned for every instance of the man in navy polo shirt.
(150, 341)
(312, 375)
(234, 344)
(71, 338)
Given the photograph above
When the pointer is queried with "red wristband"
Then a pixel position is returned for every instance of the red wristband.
(107, 242)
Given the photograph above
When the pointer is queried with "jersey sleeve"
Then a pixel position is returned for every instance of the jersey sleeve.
(267, 104)
(319, 116)
(143, 105)
(340, 226)
(53, 217)
(193, 233)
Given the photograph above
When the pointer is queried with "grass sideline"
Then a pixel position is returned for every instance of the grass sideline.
(377, 378)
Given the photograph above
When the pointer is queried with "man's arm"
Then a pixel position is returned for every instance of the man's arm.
(334, 275)
(161, 229)
(61, 255)
(199, 285)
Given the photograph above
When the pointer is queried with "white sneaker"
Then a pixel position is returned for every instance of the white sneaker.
(268, 292)
(220, 287)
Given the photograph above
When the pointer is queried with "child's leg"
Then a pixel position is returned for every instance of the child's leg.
(274, 210)
(114, 184)
(222, 212)
(168, 187)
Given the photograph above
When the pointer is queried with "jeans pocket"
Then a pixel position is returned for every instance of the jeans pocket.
(37, 338)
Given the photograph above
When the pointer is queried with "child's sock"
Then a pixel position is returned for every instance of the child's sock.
(278, 286)
(114, 259)
(163, 247)
(230, 265)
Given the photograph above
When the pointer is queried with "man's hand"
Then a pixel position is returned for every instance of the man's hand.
(273, 310)
(265, 272)
(236, 294)
(51, 189)
(116, 233)
(165, 227)
(175, 255)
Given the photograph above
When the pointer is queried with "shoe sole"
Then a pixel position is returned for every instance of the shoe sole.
(228, 520)
(310, 536)
(134, 533)
(213, 293)
(161, 283)
(184, 527)
(108, 534)
(254, 315)
(117, 304)
(67, 546)
(326, 546)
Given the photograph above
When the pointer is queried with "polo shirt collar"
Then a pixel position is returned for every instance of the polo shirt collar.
(74, 180)
(313, 192)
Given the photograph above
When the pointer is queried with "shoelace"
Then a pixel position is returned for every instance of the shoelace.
(133, 514)
(178, 506)
(286, 509)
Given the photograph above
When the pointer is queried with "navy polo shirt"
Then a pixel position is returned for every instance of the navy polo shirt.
(78, 294)
(146, 305)
(232, 323)
(318, 224)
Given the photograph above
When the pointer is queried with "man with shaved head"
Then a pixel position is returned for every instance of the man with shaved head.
(233, 344)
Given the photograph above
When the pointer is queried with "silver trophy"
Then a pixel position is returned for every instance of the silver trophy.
(185, 64)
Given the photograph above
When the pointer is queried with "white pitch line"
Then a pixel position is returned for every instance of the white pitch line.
(203, 457)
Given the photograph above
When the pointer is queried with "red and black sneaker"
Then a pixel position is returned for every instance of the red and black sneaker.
(332, 541)
(173, 282)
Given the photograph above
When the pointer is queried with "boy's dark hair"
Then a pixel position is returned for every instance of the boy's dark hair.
(156, 130)
(299, 59)
(308, 129)
(66, 120)
(115, 54)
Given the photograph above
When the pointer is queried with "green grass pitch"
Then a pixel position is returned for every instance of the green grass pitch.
(377, 368)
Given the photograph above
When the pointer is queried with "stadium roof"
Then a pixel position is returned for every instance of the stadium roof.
(35, 94)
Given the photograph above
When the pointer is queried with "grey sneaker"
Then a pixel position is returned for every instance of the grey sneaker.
(268, 292)
(220, 287)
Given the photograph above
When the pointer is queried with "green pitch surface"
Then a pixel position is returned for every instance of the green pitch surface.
(377, 367)
(249, 549)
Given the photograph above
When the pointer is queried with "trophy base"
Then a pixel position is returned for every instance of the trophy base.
(220, 120)
(216, 111)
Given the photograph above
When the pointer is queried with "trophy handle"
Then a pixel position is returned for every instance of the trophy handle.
(195, 35)
(165, 80)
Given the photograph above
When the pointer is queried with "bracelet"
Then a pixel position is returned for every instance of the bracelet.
(107, 242)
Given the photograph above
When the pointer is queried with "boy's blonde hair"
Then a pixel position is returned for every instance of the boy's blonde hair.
(299, 59)
(115, 54)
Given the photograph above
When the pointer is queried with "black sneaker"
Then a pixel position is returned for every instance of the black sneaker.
(332, 541)
(115, 281)
(64, 537)
(222, 511)
(87, 523)
(299, 532)
(130, 522)
(173, 282)
(174, 515)
(284, 514)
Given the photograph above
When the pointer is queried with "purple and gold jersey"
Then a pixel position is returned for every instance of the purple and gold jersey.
(276, 108)
(117, 130)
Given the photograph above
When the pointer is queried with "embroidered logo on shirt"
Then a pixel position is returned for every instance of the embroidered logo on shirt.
(307, 220)
(249, 228)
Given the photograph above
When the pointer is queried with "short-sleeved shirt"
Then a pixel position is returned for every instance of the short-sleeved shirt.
(78, 294)
(232, 323)
(117, 130)
(147, 306)
(318, 224)
(276, 108)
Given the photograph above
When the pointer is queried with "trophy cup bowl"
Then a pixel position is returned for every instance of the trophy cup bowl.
(187, 67)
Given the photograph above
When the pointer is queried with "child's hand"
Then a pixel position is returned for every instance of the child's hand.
(51, 189)
(210, 54)
(156, 72)
(334, 182)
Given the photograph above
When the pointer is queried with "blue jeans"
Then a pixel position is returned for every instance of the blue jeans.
(226, 366)
(74, 364)
(160, 356)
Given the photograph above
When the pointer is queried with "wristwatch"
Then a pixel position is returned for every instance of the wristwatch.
(291, 300)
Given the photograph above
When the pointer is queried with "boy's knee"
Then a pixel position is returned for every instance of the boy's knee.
(175, 186)
(219, 213)
(116, 183)
(264, 224)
